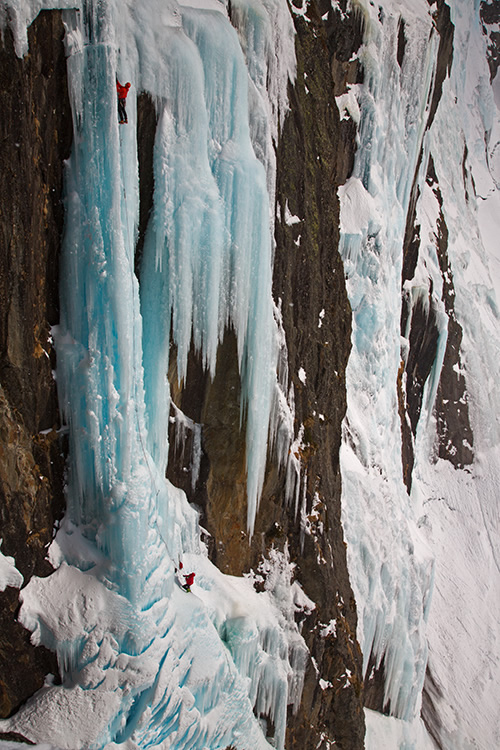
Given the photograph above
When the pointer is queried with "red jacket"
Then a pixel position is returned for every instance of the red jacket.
(189, 579)
(122, 90)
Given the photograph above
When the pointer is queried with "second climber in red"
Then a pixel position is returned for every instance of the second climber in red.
(122, 92)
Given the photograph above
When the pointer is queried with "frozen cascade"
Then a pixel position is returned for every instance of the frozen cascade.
(141, 660)
(390, 568)
(455, 509)
(266, 33)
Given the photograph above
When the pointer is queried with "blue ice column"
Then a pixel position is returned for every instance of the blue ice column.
(110, 476)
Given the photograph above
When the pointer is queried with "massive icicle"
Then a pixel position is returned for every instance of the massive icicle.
(207, 254)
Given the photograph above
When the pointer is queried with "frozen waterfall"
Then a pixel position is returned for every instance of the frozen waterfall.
(141, 659)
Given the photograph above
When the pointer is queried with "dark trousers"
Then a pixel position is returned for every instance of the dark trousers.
(122, 114)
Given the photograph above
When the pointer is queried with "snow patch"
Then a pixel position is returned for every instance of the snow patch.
(9, 574)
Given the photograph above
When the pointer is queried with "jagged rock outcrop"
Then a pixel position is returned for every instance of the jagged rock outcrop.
(315, 155)
(35, 137)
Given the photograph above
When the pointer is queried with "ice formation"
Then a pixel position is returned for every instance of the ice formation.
(144, 664)
(460, 517)
(141, 660)
(438, 543)
(390, 567)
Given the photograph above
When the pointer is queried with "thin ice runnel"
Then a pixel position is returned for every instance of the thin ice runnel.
(282, 421)
(183, 424)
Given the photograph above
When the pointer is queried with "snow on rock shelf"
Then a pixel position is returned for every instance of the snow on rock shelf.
(9, 574)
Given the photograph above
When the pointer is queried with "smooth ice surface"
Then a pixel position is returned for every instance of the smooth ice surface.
(143, 662)
(388, 733)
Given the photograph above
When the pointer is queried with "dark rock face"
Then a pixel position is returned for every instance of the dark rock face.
(431, 696)
(490, 17)
(35, 138)
(455, 437)
(375, 687)
(454, 433)
(146, 131)
(315, 155)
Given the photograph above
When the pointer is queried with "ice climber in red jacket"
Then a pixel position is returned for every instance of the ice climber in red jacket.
(122, 92)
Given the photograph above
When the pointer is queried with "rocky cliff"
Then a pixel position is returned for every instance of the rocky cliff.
(314, 155)
(35, 140)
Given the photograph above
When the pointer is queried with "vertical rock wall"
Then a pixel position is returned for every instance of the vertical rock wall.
(35, 138)
(315, 155)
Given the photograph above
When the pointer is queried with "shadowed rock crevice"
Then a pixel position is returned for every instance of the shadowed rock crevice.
(423, 340)
(431, 696)
(206, 416)
(419, 324)
(147, 120)
(401, 42)
(455, 437)
(375, 687)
